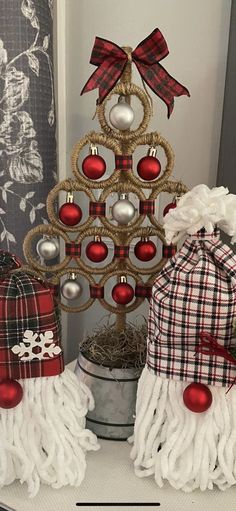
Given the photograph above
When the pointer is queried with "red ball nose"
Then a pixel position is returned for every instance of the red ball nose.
(11, 393)
(197, 397)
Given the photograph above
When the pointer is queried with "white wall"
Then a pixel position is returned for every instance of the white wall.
(197, 36)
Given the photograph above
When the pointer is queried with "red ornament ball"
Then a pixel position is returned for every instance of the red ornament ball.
(145, 250)
(70, 213)
(96, 251)
(122, 293)
(94, 166)
(11, 393)
(149, 168)
(197, 397)
(171, 205)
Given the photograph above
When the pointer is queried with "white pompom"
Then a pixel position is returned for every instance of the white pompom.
(199, 208)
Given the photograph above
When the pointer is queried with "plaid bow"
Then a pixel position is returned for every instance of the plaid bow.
(111, 61)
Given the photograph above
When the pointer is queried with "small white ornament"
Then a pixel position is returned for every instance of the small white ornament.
(71, 289)
(123, 210)
(121, 115)
(24, 349)
(48, 248)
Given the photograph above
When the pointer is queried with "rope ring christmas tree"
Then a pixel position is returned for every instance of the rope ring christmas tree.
(116, 136)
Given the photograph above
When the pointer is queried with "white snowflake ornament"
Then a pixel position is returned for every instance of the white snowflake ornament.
(45, 347)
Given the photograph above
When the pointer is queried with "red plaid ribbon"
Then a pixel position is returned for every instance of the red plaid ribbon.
(147, 207)
(73, 249)
(97, 208)
(121, 251)
(143, 291)
(210, 346)
(96, 291)
(111, 61)
(168, 251)
(124, 162)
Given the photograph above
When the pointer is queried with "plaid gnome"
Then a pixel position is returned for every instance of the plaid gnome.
(42, 406)
(185, 428)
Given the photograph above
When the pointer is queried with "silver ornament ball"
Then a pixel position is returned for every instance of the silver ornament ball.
(48, 248)
(71, 289)
(123, 211)
(121, 115)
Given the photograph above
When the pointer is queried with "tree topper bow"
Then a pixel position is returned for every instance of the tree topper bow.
(111, 61)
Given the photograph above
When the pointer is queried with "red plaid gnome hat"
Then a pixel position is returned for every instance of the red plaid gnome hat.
(185, 429)
(29, 328)
(42, 405)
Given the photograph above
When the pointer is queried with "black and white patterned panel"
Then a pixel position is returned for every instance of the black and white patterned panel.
(27, 118)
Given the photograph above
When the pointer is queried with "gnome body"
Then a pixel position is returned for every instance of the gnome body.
(185, 428)
(42, 405)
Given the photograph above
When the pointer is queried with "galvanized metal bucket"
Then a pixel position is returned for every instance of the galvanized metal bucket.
(114, 392)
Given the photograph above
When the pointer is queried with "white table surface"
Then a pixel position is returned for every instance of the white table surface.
(110, 478)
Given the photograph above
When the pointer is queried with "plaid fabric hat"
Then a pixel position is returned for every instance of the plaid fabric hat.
(29, 328)
(194, 294)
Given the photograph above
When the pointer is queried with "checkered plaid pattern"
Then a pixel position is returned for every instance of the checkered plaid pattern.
(73, 249)
(168, 251)
(97, 208)
(121, 251)
(143, 291)
(111, 61)
(195, 292)
(147, 207)
(96, 291)
(124, 162)
(202, 233)
(26, 304)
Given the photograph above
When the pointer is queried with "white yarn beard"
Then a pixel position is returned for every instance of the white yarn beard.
(43, 439)
(189, 450)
